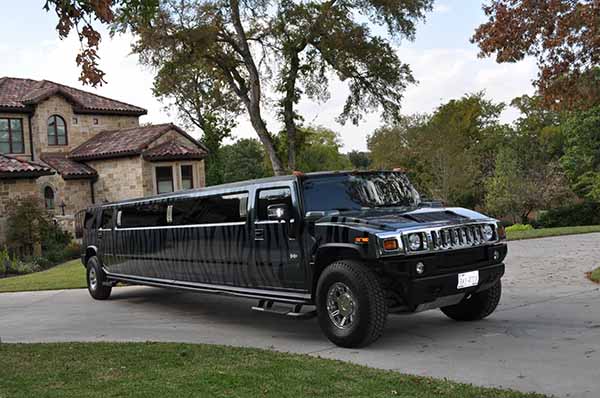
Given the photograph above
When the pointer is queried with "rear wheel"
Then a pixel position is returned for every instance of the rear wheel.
(350, 304)
(475, 306)
(96, 279)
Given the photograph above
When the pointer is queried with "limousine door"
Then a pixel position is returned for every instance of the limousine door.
(105, 236)
(277, 252)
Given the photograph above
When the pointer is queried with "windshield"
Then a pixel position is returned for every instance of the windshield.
(354, 192)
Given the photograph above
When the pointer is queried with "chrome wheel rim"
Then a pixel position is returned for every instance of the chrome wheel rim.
(93, 279)
(341, 305)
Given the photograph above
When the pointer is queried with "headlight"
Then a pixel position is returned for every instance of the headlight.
(414, 242)
(488, 232)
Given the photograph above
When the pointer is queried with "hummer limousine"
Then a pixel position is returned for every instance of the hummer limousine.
(355, 246)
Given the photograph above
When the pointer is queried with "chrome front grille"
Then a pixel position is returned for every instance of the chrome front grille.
(452, 238)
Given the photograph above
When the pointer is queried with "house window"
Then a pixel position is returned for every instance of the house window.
(49, 198)
(95, 120)
(187, 176)
(57, 131)
(75, 121)
(164, 179)
(11, 136)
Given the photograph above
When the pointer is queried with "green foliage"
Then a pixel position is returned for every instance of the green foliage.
(586, 213)
(359, 160)
(243, 160)
(28, 222)
(289, 48)
(523, 182)
(318, 149)
(28, 225)
(449, 153)
(581, 160)
(519, 228)
(11, 265)
(72, 250)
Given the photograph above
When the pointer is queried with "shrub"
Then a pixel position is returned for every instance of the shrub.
(586, 213)
(519, 227)
(73, 250)
(27, 224)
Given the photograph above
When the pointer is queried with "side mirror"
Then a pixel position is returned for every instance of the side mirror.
(279, 211)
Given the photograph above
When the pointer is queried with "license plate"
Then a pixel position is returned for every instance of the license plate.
(468, 279)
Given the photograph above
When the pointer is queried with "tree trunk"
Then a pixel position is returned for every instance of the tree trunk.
(288, 109)
(253, 101)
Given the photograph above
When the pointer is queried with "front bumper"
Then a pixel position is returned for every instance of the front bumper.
(441, 290)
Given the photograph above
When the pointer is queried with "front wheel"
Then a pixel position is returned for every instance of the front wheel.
(350, 304)
(475, 306)
(96, 279)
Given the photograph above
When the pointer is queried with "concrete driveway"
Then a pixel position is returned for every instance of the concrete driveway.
(544, 337)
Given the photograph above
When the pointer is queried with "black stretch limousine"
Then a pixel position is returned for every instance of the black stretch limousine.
(356, 245)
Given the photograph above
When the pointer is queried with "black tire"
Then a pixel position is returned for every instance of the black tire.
(476, 306)
(97, 289)
(369, 313)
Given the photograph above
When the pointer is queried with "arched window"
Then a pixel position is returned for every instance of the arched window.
(57, 131)
(49, 198)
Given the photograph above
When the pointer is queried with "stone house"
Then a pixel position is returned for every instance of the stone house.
(72, 149)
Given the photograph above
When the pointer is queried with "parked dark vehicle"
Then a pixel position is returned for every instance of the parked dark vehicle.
(356, 245)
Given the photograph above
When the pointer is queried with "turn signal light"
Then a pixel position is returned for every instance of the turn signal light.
(361, 239)
(501, 232)
(390, 244)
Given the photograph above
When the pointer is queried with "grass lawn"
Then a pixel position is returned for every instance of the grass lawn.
(70, 275)
(595, 275)
(545, 232)
(185, 370)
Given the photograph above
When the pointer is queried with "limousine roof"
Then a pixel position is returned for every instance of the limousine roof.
(228, 188)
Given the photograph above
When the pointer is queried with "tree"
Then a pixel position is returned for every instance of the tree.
(527, 174)
(397, 146)
(563, 35)
(80, 15)
(243, 160)
(288, 48)
(448, 153)
(319, 150)
(200, 102)
(581, 160)
(524, 182)
(359, 160)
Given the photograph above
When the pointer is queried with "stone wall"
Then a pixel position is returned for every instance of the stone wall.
(13, 190)
(118, 179)
(80, 127)
(76, 194)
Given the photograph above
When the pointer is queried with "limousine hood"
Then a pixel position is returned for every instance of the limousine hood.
(397, 218)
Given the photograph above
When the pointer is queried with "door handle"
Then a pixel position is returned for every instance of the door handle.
(259, 234)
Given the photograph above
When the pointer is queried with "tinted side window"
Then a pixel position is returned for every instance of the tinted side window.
(269, 197)
(211, 210)
(144, 215)
(106, 222)
(89, 221)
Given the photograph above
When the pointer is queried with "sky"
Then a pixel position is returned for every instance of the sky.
(443, 61)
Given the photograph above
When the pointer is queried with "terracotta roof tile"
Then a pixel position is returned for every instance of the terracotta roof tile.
(22, 94)
(67, 168)
(123, 142)
(173, 150)
(13, 167)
